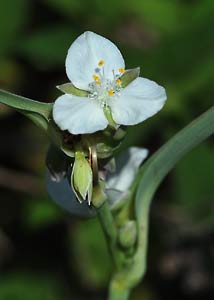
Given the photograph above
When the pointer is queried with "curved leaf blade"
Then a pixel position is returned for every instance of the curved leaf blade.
(25, 104)
(159, 165)
(151, 175)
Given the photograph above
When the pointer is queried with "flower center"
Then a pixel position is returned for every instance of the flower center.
(101, 88)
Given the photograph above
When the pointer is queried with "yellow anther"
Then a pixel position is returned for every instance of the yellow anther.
(101, 63)
(111, 92)
(118, 81)
(121, 70)
(96, 78)
(97, 82)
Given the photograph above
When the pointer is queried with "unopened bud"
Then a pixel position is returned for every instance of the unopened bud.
(128, 234)
(82, 178)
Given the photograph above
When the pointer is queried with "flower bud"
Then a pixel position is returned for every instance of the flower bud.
(128, 234)
(82, 178)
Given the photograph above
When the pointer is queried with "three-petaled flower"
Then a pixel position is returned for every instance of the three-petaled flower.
(95, 65)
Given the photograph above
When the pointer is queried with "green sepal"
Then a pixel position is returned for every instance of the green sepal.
(69, 88)
(104, 141)
(129, 76)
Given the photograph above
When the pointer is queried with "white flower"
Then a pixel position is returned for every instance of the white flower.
(127, 165)
(95, 64)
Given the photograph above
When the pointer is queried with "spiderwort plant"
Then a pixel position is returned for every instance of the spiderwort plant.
(101, 92)
(85, 126)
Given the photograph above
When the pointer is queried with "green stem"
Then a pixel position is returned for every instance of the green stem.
(109, 229)
(130, 271)
(118, 291)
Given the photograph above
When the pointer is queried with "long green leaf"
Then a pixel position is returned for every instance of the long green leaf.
(151, 175)
(25, 104)
(155, 170)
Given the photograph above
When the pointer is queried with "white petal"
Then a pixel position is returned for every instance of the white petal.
(85, 53)
(127, 166)
(141, 99)
(78, 115)
(62, 194)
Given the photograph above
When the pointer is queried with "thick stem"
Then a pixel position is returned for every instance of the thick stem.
(117, 291)
(109, 229)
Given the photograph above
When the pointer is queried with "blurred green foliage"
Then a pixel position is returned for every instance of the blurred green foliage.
(28, 286)
(194, 185)
(172, 41)
(90, 246)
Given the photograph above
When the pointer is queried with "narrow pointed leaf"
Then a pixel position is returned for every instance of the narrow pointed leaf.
(151, 175)
(159, 165)
(25, 104)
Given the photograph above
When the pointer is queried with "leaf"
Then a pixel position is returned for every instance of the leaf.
(26, 104)
(151, 175)
(40, 114)
(37, 111)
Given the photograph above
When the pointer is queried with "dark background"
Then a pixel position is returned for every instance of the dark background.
(44, 252)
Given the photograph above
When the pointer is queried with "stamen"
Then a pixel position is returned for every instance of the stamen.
(97, 82)
(121, 70)
(111, 93)
(118, 81)
(96, 77)
(101, 63)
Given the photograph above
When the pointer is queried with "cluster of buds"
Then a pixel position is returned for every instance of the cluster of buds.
(84, 160)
